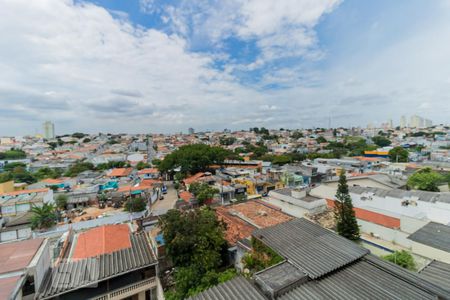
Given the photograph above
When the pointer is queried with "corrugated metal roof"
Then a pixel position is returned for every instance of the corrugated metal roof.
(361, 280)
(397, 193)
(437, 272)
(237, 288)
(72, 275)
(314, 250)
(434, 235)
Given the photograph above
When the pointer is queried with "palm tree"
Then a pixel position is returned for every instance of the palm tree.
(43, 216)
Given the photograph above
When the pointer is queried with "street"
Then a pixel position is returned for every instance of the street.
(161, 206)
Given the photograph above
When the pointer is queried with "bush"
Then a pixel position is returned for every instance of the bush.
(135, 204)
(402, 258)
(61, 201)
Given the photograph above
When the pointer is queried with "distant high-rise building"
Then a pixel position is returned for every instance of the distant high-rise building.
(49, 130)
(403, 123)
(416, 122)
(428, 123)
(390, 124)
(191, 130)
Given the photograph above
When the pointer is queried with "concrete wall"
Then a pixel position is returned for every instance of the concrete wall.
(430, 252)
(361, 182)
(287, 207)
(386, 234)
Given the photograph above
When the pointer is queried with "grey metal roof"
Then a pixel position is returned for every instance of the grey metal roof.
(364, 279)
(434, 235)
(72, 275)
(237, 288)
(438, 273)
(279, 278)
(397, 193)
(316, 251)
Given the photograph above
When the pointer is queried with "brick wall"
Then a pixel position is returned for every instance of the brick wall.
(371, 216)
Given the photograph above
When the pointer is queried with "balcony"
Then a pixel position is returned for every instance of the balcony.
(129, 290)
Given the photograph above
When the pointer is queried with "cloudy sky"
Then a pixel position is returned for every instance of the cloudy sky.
(164, 66)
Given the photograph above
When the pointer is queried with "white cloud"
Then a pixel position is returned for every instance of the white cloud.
(56, 52)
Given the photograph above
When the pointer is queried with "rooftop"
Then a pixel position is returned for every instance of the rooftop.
(237, 288)
(241, 219)
(438, 273)
(17, 256)
(305, 245)
(76, 274)
(120, 172)
(434, 235)
(102, 240)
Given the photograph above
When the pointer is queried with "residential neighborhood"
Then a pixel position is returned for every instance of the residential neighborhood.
(224, 150)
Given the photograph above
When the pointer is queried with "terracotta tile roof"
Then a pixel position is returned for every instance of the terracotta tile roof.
(102, 240)
(16, 256)
(186, 196)
(23, 192)
(243, 218)
(150, 182)
(52, 181)
(120, 172)
(130, 188)
(148, 171)
(193, 178)
(236, 229)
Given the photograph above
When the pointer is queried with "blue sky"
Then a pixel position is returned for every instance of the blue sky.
(164, 66)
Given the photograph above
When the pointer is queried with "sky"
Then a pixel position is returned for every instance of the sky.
(141, 66)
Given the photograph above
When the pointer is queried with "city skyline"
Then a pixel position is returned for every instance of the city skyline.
(156, 66)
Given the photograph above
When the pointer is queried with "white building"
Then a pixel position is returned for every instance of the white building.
(49, 130)
(403, 122)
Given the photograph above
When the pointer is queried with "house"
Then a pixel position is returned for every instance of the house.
(319, 264)
(149, 173)
(120, 173)
(296, 202)
(395, 215)
(433, 241)
(106, 262)
(242, 219)
(23, 268)
(15, 212)
(372, 179)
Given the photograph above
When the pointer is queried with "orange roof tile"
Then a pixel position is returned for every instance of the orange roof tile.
(259, 214)
(193, 178)
(120, 172)
(102, 240)
(186, 196)
(148, 171)
(52, 181)
(23, 192)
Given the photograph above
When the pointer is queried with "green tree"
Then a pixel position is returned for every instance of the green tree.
(398, 154)
(78, 168)
(13, 154)
(321, 139)
(47, 172)
(135, 204)
(296, 135)
(193, 158)
(142, 165)
(381, 141)
(425, 180)
(346, 224)
(202, 191)
(402, 258)
(195, 244)
(61, 201)
(78, 135)
(43, 217)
